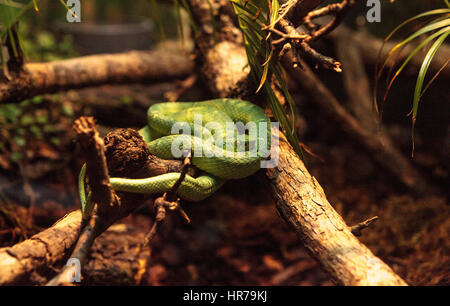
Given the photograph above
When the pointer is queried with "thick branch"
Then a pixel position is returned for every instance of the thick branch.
(303, 205)
(133, 66)
(42, 250)
(97, 169)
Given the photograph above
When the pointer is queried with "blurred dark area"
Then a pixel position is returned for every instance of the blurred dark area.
(235, 237)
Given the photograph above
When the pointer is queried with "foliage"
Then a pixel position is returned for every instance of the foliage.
(29, 124)
(436, 29)
(263, 63)
(43, 47)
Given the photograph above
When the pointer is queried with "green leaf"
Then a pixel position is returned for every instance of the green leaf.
(431, 27)
(27, 119)
(42, 119)
(414, 52)
(179, 21)
(191, 18)
(36, 8)
(68, 8)
(36, 131)
(156, 15)
(423, 70)
(429, 13)
(259, 53)
(37, 99)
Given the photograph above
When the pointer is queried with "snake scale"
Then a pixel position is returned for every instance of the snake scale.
(207, 139)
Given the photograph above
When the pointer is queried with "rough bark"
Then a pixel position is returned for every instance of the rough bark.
(302, 203)
(127, 156)
(42, 250)
(133, 66)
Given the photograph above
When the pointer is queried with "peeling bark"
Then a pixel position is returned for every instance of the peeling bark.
(42, 250)
(302, 203)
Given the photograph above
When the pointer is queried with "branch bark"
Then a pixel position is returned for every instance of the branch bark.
(133, 66)
(302, 203)
(42, 250)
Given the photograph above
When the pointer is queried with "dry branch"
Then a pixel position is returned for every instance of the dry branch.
(301, 9)
(52, 245)
(43, 250)
(356, 82)
(303, 205)
(128, 67)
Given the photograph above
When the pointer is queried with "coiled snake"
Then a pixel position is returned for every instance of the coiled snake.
(208, 130)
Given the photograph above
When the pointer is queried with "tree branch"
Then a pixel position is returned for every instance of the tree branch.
(133, 66)
(302, 203)
(42, 250)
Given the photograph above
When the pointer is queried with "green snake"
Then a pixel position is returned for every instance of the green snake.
(213, 144)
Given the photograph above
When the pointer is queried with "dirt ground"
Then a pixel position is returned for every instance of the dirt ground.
(236, 236)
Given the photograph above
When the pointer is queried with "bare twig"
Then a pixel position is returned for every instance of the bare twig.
(80, 252)
(357, 229)
(169, 201)
(298, 42)
(181, 87)
(340, 10)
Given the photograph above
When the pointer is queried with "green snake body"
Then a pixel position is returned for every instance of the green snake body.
(208, 145)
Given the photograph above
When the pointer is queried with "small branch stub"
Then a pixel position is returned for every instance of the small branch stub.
(357, 229)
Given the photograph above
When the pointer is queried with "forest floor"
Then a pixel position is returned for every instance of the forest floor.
(236, 236)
